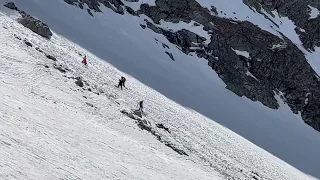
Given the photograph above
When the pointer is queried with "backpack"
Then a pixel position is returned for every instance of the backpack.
(123, 79)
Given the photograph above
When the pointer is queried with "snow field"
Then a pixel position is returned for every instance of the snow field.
(47, 130)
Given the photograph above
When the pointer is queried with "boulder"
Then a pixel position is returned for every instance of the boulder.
(170, 55)
(11, 5)
(35, 25)
(79, 83)
(138, 113)
(27, 43)
(130, 10)
(51, 57)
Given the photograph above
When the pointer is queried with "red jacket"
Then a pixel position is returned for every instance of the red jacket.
(84, 61)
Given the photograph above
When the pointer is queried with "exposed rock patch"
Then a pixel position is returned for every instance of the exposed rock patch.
(79, 83)
(11, 5)
(49, 56)
(146, 125)
(170, 55)
(62, 70)
(35, 25)
(130, 10)
(27, 43)
(273, 70)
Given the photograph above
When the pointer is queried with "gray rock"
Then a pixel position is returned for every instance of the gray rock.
(283, 69)
(170, 55)
(275, 69)
(165, 46)
(35, 25)
(79, 83)
(51, 57)
(143, 26)
(89, 104)
(138, 113)
(153, 27)
(38, 49)
(62, 70)
(214, 10)
(11, 5)
(130, 10)
(89, 12)
(27, 43)
(196, 24)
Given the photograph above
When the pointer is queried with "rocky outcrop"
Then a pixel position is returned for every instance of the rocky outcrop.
(282, 69)
(299, 12)
(115, 5)
(11, 5)
(31, 23)
(35, 25)
(148, 126)
(79, 82)
(170, 55)
(51, 57)
(274, 65)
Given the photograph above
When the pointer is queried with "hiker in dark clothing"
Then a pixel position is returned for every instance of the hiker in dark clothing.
(140, 104)
(121, 82)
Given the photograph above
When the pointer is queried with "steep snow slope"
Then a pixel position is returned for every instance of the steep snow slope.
(48, 131)
(188, 80)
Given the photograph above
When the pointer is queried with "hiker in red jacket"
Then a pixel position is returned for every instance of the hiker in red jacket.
(84, 61)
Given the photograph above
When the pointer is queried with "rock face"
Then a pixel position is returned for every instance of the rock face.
(273, 67)
(31, 23)
(11, 5)
(35, 25)
(299, 12)
(144, 124)
(115, 5)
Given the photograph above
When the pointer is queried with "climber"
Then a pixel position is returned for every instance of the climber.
(121, 82)
(140, 104)
(84, 61)
(123, 79)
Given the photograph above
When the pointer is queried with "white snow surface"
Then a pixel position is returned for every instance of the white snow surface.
(242, 53)
(188, 81)
(49, 132)
(314, 12)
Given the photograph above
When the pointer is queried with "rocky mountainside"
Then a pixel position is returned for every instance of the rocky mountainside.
(273, 64)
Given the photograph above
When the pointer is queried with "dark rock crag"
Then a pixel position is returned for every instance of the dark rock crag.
(275, 65)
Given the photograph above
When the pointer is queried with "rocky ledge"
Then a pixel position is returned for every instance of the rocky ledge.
(31, 23)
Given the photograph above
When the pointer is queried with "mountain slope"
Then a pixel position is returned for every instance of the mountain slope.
(121, 41)
(51, 128)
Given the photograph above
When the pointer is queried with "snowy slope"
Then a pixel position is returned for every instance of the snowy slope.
(47, 130)
(188, 81)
